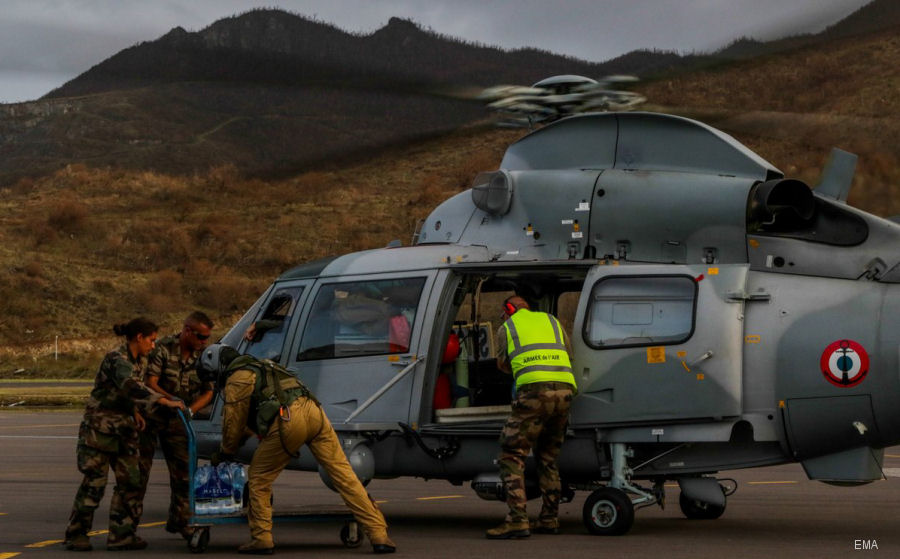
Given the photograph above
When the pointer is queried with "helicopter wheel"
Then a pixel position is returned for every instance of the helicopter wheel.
(608, 512)
(698, 510)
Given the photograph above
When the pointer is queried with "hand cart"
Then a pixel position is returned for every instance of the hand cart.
(350, 534)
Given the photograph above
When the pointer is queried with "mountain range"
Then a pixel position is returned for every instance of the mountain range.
(272, 93)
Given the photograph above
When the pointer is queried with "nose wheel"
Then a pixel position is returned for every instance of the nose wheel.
(608, 512)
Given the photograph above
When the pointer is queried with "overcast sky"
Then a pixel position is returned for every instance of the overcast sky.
(44, 43)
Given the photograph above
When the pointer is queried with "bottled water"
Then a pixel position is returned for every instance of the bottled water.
(201, 507)
(238, 480)
(219, 490)
(224, 495)
(201, 477)
(204, 479)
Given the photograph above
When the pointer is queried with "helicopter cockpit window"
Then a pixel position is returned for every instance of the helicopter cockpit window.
(361, 318)
(269, 330)
(638, 311)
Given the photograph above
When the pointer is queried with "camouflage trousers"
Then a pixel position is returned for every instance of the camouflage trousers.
(537, 424)
(126, 506)
(173, 442)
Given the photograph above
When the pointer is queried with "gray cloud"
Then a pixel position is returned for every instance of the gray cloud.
(62, 38)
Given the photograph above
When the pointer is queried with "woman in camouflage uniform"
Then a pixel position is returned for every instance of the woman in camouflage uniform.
(108, 438)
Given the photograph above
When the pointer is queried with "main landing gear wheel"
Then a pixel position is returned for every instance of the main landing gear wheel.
(350, 535)
(199, 540)
(698, 510)
(608, 512)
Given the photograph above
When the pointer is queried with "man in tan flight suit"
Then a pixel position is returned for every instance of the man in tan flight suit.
(280, 409)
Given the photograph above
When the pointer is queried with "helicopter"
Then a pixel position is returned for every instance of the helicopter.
(722, 316)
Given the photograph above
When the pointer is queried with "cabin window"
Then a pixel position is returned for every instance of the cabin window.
(271, 327)
(353, 319)
(626, 311)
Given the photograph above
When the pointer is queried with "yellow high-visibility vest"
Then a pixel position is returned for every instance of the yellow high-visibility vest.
(536, 349)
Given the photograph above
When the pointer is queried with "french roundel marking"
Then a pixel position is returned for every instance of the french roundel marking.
(845, 363)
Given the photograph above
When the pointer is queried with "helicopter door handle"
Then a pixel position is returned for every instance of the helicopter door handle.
(743, 297)
(698, 360)
(403, 360)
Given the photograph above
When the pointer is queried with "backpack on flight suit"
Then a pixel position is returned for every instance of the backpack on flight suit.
(275, 390)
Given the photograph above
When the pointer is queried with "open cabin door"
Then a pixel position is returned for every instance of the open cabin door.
(358, 348)
(659, 343)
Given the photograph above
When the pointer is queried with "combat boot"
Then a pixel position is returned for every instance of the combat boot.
(184, 531)
(383, 545)
(544, 526)
(132, 543)
(508, 530)
(79, 543)
(254, 547)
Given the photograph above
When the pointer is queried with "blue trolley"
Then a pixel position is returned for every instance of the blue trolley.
(199, 540)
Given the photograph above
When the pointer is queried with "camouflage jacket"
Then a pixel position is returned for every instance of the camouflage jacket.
(176, 377)
(108, 423)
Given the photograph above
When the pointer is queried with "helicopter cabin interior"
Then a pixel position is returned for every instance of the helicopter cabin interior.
(468, 386)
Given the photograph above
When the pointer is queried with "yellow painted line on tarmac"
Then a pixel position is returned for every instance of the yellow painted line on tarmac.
(3, 513)
(440, 497)
(892, 455)
(94, 533)
(381, 502)
(769, 482)
(98, 533)
(44, 544)
(8, 555)
(38, 426)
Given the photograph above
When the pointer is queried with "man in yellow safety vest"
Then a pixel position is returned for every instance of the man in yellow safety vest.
(534, 348)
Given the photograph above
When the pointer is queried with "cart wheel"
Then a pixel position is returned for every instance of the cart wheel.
(350, 536)
(199, 540)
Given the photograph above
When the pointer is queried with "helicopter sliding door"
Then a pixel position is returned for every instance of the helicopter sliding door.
(358, 350)
(659, 343)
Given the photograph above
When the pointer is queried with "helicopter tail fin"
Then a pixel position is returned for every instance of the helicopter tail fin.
(837, 177)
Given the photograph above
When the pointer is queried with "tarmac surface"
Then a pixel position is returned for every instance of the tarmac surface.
(776, 512)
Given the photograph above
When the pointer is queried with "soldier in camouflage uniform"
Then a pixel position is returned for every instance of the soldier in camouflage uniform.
(108, 438)
(172, 372)
(533, 347)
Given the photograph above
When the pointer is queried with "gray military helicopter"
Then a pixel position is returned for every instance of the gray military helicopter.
(722, 317)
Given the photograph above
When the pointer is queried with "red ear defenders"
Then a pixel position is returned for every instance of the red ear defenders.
(509, 308)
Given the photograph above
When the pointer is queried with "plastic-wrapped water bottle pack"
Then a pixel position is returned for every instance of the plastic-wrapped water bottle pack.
(219, 489)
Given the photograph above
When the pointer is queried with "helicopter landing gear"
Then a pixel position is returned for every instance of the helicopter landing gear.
(609, 511)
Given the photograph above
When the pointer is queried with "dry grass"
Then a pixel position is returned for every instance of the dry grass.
(58, 395)
(90, 247)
